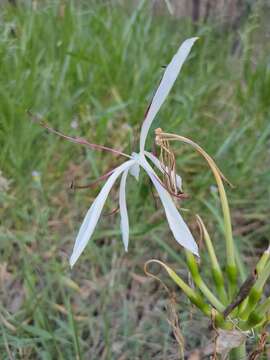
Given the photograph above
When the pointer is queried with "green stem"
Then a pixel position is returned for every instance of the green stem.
(239, 353)
(254, 297)
(259, 268)
(194, 270)
(193, 295)
(216, 270)
(263, 261)
(231, 263)
(255, 292)
(220, 286)
(254, 319)
(264, 307)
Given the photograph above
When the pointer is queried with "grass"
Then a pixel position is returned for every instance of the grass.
(98, 65)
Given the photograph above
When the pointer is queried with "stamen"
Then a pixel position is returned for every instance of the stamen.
(92, 184)
(162, 137)
(168, 163)
(77, 140)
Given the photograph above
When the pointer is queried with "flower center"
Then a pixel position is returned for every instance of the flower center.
(167, 160)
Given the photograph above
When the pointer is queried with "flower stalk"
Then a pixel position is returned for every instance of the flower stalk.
(215, 267)
(193, 296)
(194, 270)
(239, 352)
(255, 293)
(263, 261)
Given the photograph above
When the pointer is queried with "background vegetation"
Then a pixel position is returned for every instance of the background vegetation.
(91, 69)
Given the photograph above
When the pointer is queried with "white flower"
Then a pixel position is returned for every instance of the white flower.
(35, 174)
(132, 166)
(74, 124)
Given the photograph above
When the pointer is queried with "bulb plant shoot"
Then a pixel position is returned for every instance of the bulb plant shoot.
(233, 308)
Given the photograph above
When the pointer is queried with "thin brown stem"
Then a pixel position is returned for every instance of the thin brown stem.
(77, 140)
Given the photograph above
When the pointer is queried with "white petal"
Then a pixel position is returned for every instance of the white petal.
(158, 164)
(176, 223)
(179, 182)
(165, 86)
(123, 210)
(93, 214)
(135, 169)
